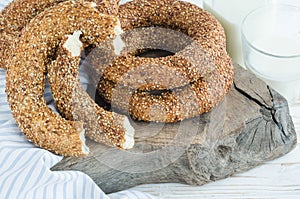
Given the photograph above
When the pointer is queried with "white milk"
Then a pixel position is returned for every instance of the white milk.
(230, 14)
(277, 67)
(281, 72)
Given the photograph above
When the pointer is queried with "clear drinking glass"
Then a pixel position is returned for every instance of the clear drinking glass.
(271, 47)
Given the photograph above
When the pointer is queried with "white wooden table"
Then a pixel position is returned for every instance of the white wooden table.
(278, 179)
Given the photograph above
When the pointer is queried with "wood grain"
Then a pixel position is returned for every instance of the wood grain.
(278, 179)
(251, 126)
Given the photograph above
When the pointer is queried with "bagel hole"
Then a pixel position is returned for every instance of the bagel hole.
(153, 53)
(158, 92)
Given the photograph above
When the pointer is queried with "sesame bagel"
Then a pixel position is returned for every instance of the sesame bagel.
(203, 88)
(202, 33)
(26, 76)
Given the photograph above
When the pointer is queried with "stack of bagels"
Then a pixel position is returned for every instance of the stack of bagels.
(45, 39)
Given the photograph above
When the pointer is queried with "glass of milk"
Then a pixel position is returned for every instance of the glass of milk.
(271, 47)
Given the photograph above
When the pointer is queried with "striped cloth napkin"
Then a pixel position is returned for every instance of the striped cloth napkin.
(25, 169)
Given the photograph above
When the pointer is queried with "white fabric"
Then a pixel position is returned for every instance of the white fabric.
(25, 169)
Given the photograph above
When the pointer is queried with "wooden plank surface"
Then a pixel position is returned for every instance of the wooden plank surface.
(278, 179)
(256, 128)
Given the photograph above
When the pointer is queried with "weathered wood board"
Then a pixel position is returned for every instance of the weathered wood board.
(251, 126)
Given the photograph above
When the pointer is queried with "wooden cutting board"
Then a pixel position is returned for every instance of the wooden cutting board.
(251, 126)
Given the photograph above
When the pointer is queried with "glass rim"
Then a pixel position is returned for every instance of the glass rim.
(258, 49)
